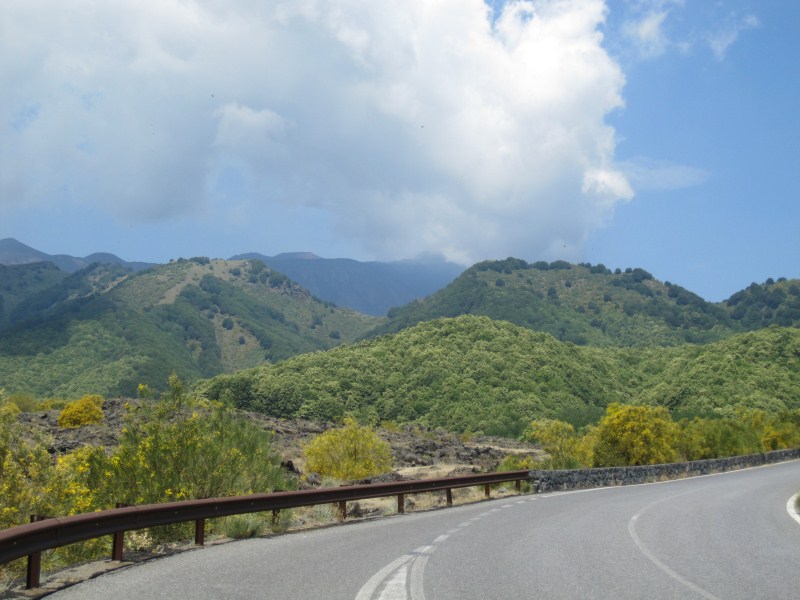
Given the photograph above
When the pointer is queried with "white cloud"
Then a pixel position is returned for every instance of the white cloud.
(719, 41)
(647, 34)
(659, 175)
(418, 125)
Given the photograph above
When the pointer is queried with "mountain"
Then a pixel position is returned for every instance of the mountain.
(105, 329)
(473, 373)
(368, 287)
(13, 252)
(591, 305)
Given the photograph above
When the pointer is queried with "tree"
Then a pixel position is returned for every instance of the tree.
(557, 438)
(635, 435)
(351, 452)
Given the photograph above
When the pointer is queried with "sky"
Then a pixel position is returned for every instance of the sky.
(660, 134)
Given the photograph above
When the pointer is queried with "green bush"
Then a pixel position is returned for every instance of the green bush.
(85, 411)
(558, 439)
(244, 526)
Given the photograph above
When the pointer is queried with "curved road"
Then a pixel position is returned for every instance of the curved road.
(721, 536)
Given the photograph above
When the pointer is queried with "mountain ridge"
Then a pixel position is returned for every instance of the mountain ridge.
(105, 329)
(592, 305)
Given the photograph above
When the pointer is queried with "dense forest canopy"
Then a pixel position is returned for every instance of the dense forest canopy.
(477, 374)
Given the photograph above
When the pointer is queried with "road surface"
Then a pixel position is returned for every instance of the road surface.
(721, 536)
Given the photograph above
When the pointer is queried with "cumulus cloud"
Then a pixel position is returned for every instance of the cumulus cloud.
(416, 125)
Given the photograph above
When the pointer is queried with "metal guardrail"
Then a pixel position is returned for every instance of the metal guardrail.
(31, 539)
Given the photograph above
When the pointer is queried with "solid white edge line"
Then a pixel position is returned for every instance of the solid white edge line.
(790, 507)
(417, 572)
(658, 563)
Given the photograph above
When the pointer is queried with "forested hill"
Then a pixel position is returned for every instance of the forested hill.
(475, 374)
(592, 305)
(105, 329)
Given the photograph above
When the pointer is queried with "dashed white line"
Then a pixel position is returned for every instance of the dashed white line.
(402, 578)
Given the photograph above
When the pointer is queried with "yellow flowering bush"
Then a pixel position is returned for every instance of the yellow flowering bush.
(85, 411)
(25, 469)
(351, 452)
(635, 435)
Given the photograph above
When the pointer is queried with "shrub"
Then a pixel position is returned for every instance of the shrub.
(351, 452)
(25, 402)
(25, 468)
(244, 526)
(635, 435)
(85, 411)
(558, 439)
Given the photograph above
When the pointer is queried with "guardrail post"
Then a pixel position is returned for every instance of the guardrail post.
(34, 567)
(449, 496)
(200, 532)
(518, 486)
(118, 540)
(276, 516)
(487, 491)
(401, 503)
(342, 510)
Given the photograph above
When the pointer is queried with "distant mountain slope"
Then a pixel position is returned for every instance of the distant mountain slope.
(105, 331)
(13, 252)
(51, 288)
(473, 373)
(19, 282)
(583, 304)
(368, 287)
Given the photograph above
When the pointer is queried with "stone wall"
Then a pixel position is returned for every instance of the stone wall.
(548, 481)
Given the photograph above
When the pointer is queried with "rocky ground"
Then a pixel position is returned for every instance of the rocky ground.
(418, 452)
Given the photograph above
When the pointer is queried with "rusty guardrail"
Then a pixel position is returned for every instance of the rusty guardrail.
(31, 539)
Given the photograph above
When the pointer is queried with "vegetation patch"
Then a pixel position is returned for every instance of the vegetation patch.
(475, 374)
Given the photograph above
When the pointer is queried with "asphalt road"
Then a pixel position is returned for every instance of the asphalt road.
(723, 536)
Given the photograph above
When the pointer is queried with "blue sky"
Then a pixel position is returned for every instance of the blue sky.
(659, 134)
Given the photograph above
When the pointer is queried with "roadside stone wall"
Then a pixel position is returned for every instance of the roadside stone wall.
(548, 481)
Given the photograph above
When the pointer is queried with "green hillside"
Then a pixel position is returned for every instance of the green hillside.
(770, 303)
(591, 305)
(20, 283)
(476, 374)
(105, 330)
(583, 304)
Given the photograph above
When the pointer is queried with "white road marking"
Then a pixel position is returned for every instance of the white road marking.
(666, 569)
(366, 592)
(417, 571)
(790, 507)
(402, 579)
(396, 585)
